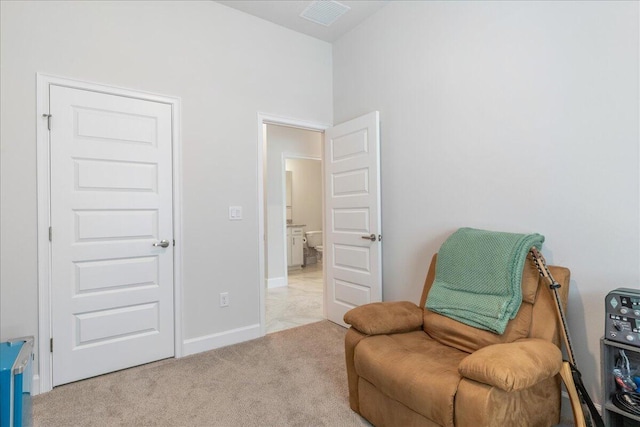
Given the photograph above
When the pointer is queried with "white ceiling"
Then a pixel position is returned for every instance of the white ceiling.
(287, 14)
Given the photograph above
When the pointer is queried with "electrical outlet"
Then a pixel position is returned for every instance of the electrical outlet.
(224, 299)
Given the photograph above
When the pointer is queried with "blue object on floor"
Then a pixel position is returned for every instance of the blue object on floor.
(16, 360)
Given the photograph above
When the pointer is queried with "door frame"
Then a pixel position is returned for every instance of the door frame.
(271, 119)
(44, 380)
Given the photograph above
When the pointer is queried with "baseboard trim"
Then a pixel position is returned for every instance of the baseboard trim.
(222, 339)
(35, 385)
(276, 282)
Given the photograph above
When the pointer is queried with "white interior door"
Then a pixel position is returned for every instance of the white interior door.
(352, 253)
(111, 205)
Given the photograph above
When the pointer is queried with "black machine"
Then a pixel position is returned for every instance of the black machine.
(622, 316)
(622, 324)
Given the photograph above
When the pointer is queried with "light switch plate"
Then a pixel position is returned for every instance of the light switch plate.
(235, 213)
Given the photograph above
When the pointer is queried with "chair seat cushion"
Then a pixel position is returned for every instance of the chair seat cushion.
(413, 369)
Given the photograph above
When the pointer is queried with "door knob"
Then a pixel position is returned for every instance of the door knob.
(162, 243)
(371, 237)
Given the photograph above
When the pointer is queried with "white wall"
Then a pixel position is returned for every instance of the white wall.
(513, 116)
(225, 66)
(307, 192)
(282, 142)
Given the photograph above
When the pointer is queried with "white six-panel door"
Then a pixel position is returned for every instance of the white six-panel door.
(111, 201)
(352, 254)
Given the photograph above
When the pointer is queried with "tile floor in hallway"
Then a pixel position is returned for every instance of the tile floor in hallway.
(297, 304)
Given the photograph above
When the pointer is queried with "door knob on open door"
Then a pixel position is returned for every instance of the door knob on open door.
(162, 243)
(371, 237)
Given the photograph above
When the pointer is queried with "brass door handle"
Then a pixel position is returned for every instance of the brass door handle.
(371, 237)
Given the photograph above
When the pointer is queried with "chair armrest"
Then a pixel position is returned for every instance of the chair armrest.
(381, 318)
(513, 366)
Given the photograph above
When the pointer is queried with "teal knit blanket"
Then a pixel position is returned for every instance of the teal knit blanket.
(479, 277)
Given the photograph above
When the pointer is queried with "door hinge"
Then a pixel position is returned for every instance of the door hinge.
(51, 345)
(50, 234)
(48, 116)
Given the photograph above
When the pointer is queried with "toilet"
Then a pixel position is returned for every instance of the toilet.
(314, 240)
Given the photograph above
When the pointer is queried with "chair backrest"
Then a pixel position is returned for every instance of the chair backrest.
(536, 318)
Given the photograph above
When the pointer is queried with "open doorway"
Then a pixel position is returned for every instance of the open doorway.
(293, 223)
(352, 233)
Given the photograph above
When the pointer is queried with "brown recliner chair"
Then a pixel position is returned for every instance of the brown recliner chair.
(409, 366)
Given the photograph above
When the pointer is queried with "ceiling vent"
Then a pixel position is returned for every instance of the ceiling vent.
(324, 12)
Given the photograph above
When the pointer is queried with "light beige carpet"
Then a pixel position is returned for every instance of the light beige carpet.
(294, 377)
